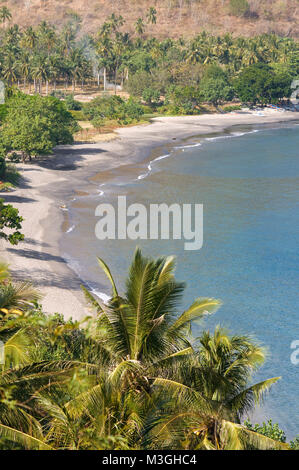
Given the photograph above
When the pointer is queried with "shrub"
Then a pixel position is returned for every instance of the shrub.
(151, 96)
(268, 429)
(112, 108)
(71, 104)
(182, 100)
(239, 7)
(216, 90)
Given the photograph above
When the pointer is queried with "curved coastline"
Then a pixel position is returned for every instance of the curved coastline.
(49, 186)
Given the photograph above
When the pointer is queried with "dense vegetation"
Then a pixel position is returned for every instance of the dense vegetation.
(129, 377)
(208, 68)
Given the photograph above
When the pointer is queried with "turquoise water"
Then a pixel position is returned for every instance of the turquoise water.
(248, 184)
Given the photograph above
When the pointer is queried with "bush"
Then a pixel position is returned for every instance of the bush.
(295, 443)
(229, 109)
(78, 115)
(216, 90)
(260, 83)
(268, 429)
(141, 81)
(182, 100)
(71, 104)
(151, 96)
(113, 108)
(239, 7)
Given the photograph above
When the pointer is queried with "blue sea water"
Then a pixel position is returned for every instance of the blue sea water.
(248, 183)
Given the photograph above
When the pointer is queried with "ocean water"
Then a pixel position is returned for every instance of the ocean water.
(248, 183)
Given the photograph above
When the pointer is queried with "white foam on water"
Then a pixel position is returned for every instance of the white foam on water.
(231, 136)
(101, 295)
(70, 229)
(198, 144)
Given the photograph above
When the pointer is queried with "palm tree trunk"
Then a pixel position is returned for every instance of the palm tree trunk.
(105, 83)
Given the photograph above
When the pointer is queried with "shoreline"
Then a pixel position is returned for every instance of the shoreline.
(51, 183)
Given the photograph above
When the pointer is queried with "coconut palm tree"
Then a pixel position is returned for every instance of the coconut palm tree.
(152, 15)
(213, 395)
(5, 15)
(139, 27)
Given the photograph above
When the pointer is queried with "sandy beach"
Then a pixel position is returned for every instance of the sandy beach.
(47, 186)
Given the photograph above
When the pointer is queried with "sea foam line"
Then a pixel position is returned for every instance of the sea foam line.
(150, 168)
(70, 229)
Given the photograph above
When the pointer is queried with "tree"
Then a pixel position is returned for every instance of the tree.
(182, 99)
(152, 15)
(259, 83)
(139, 26)
(34, 125)
(214, 392)
(151, 96)
(215, 90)
(4, 14)
(10, 221)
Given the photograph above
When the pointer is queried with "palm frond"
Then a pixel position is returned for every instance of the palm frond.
(109, 276)
(25, 440)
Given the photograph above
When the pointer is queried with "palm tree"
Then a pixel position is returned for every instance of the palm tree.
(24, 66)
(41, 72)
(10, 71)
(4, 15)
(152, 15)
(29, 38)
(213, 396)
(139, 26)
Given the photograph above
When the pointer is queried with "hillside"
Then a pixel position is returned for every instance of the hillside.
(174, 17)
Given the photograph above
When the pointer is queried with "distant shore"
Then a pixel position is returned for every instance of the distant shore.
(49, 185)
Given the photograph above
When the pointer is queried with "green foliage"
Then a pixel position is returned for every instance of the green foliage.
(141, 81)
(151, 96)
(239, 7)
(229, 109)
(10, 223)
(112, 108)
(2, 168)
(72, 104)
(295, 443)
(259, 83)
(128, 377)
(268, 429)
(182, 100)
(215, 90)
(34, 125)
(3, 112)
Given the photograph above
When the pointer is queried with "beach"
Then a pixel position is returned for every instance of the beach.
(48, 185)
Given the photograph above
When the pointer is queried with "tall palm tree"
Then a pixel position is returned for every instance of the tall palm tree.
(139, 27)
(213, 396)
(5, 15)
(152, 15)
